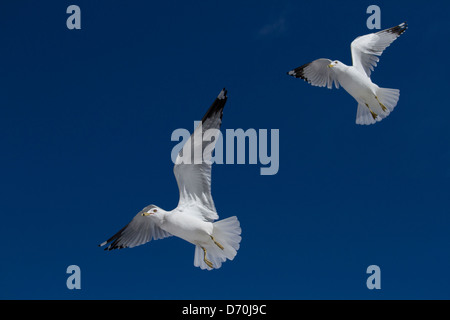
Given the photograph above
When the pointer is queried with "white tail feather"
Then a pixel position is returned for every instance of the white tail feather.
(388, 97)
(226, 232)
(363, 115)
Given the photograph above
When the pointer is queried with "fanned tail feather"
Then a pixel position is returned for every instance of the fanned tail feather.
(227, 232)
(363, 115)
(389, 99)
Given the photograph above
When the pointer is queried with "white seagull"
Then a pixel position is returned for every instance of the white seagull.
(374, 103)
(192, 220)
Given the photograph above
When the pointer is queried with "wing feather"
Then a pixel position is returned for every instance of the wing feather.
(366, 49)
(193, 164)
(139, 231)
(316, 73)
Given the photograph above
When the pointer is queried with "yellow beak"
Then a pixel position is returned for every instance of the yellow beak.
(146, 214)
(330, 66)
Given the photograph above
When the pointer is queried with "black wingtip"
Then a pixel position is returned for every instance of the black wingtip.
(400, 29)
(403, 25)
(292, 73)
(299, 72)
(103, 243)
(217, 106)
(223, 94)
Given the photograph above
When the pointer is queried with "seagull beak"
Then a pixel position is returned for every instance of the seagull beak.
(330, 66)
(145, 214)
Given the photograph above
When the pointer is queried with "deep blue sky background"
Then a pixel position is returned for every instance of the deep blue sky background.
(85, 123)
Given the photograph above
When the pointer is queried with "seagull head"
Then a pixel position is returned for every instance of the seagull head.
(334, 64)
(153, 212)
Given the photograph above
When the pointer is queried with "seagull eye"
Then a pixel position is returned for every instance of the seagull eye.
(154, 210)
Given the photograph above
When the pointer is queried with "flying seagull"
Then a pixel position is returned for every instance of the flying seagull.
(192, 220)
(374, 103)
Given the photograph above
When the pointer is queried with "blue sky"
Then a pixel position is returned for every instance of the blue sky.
(86, 118)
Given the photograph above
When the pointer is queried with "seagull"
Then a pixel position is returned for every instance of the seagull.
(193, 219)
(374, 103)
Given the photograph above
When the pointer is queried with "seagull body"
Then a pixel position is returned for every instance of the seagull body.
(193, 219)
(185, 224)
(374, 103)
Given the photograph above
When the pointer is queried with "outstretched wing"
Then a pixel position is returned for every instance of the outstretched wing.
(193, 164)
(316, 73)
(140, 230)
(366, 49)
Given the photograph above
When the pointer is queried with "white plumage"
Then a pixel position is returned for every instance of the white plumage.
(193, 218)
(374, 103)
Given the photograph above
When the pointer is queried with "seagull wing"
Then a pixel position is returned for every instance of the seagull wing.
(140, 230)
(316, 73)
(193, 164)
(366, 49)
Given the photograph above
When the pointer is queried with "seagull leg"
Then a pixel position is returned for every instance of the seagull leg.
(382, 105)
(374, 115)
(209, 263)
(217, 244)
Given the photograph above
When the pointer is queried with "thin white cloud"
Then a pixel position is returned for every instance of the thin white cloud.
(275, 28)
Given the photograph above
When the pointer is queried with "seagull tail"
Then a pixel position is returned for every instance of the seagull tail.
(377, 110)
(388, 97)
(363, 115)
(227, 233)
